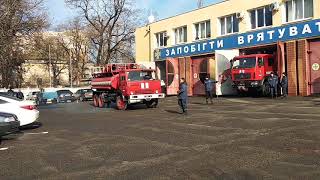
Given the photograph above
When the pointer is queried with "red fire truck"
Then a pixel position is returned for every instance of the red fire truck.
(250, 72)
(126, 84)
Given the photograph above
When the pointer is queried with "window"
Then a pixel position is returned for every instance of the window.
(261, 17)
(161, 39)
(180, 35)
(298, 9)
(229, 24)
(140, 76)
(244, 63)
(3, 101)
(260, 62)
(202, 30)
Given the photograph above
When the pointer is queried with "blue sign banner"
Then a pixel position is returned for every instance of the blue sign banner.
(306, 29)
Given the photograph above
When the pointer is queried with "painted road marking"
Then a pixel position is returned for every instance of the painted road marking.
(37, 133)
(4, 149)
(240, 101)
(198, 125)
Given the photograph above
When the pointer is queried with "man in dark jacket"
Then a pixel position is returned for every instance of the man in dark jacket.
(273, 82)
(11, 92)
(183, 95)
(208, 84)
(20, 95)
(284, 85)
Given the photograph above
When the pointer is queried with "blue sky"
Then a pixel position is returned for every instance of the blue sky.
(59, 12)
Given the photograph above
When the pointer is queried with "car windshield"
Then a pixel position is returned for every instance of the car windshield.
(49, 95)
(64, 92)
(86, 90)
(140, 75)
(11, 97)
(244, 63)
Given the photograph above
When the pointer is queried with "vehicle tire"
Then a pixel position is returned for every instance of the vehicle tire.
(95, 100)
(121, 104)
(101, 101)
(152, 104)
(266, 89)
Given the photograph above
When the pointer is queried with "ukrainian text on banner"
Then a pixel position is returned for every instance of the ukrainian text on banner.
(306, 29)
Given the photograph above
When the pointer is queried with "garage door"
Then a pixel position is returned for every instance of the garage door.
(315, 67)
(172, 76)
(200, 69)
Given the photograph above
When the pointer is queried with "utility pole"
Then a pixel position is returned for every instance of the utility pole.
(200, 3)
(50, 80)
(150, 49)
(70, 67)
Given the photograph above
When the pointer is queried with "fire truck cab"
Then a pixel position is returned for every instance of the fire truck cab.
(251, 72)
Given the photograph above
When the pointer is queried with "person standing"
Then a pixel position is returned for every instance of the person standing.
(273, 82)
(11, 92)
(284, 85)
(183, 95)
(208, 84)
(20, 95)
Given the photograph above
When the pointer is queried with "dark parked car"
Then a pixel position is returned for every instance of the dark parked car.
(47, 98)
(65, 96)
(8, 124)
(83, 94)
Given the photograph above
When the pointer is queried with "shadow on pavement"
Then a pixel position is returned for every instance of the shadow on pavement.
(173, 112)
(31, 126)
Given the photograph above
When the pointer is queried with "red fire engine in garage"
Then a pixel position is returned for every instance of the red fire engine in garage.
(250, 72)
(126, 84)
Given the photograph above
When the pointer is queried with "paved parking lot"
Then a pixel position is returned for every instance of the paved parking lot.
(235, 138)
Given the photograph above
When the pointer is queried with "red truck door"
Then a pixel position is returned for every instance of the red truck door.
(315, 67)
(260, 68)
(123, 82)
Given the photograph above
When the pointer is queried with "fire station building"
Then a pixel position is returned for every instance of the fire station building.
(202, 42)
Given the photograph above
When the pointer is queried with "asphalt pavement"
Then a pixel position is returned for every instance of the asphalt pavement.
(231, 139)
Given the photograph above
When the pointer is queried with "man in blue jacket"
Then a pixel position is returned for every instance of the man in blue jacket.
(208, 84)
(183, 95)
(284, 85)
(273, 82)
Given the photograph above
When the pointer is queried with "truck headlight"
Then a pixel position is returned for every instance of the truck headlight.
(254, 83)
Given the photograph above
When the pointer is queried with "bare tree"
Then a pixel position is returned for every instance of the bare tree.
(76, 44)
(57, 60)
(112, 25)
(19, 19)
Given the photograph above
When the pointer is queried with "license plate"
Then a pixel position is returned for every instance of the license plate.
(69, 101)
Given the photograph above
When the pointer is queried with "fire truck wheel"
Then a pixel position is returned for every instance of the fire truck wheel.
(95, 100)
(121, 104)
(101, 101)
(152, 104)
(266, 89)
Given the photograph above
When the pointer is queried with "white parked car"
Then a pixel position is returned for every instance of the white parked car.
(26, 111)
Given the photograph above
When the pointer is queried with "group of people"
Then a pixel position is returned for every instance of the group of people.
(183, 93)
(274, 84)
(273, 81)
(18, 94)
